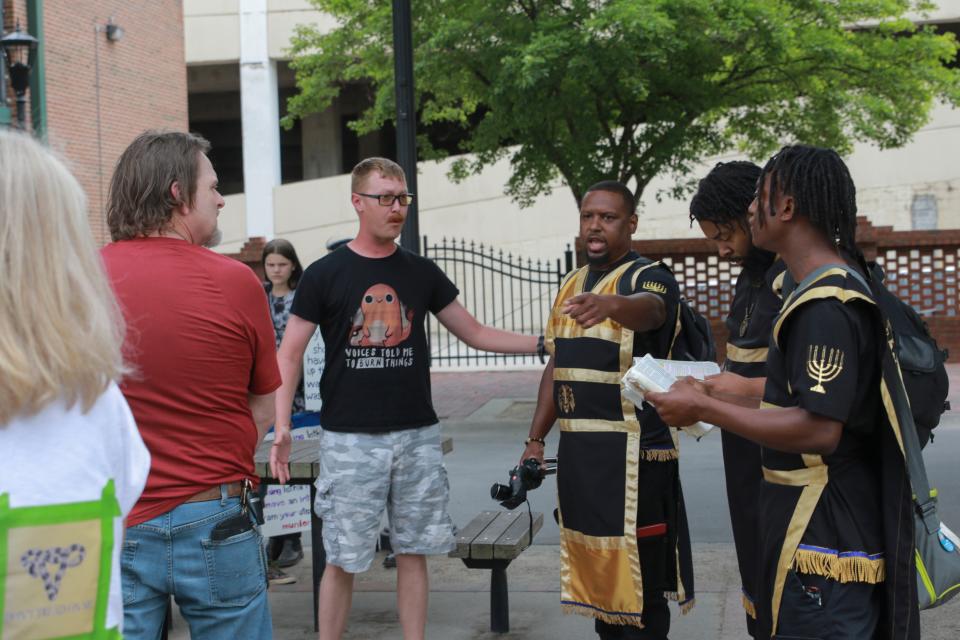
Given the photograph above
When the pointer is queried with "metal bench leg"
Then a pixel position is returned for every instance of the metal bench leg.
(319, 556)
(499, 599)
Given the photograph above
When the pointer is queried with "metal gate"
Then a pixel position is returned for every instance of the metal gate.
(503, 291)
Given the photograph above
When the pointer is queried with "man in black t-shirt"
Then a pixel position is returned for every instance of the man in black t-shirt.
(380, 447)
(719, 207)
(617, 470)
(836, 541)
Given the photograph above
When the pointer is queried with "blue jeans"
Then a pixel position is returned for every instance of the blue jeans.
(220, 586)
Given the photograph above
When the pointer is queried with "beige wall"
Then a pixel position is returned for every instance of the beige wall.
(312, 212)
(212, 28)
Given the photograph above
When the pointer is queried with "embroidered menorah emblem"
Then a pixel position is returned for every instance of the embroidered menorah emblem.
(823, 365)
(40, 562)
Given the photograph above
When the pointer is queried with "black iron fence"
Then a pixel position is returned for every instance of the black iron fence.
(500, 290)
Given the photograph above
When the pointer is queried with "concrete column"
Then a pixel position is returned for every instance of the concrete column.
(260, 119)
(322, 147)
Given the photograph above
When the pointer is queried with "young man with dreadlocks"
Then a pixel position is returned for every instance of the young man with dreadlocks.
(719, 207)
(836, 540)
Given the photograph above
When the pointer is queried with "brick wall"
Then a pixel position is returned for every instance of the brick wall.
(921, 268)
(251, 254)
(142, 83)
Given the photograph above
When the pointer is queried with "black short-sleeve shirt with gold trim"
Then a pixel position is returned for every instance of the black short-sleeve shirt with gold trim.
(754, 307)
(828, 364)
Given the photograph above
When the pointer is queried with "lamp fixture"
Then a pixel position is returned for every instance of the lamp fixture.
(19, 48)
(113, 30)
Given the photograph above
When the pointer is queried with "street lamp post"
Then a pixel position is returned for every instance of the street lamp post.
(19, 48)
(406, 116)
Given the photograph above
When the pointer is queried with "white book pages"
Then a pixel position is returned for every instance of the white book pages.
(681, 369)
(650, 374)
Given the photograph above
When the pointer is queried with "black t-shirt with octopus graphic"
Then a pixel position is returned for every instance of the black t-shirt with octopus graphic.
(371, 314)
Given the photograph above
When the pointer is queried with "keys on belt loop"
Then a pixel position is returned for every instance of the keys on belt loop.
(244, 494)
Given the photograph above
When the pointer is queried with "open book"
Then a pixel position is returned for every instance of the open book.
(650, 374)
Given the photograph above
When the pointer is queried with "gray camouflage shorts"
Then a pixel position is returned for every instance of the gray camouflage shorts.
(361, 473)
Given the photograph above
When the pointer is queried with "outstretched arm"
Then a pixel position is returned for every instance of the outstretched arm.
(460, 323)
(639, 312)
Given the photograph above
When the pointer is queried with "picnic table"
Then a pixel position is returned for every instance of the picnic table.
(304, 470)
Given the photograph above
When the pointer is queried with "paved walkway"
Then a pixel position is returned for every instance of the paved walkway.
(488, 415)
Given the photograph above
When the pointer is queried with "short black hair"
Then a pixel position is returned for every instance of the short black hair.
(614, 186)
(725, 194)
(821, 187)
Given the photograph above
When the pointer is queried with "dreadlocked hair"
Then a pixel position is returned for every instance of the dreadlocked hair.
(724, 195)
(822, 190)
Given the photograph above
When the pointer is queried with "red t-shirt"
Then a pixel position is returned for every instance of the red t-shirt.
(199, 340)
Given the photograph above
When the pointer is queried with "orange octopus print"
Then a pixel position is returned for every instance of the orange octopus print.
(382, 319)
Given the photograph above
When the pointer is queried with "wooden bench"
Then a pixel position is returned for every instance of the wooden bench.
(491, 541)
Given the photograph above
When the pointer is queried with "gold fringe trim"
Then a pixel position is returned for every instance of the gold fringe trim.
(848, 569)
(659, 455)
(749, 607)
(609, 618)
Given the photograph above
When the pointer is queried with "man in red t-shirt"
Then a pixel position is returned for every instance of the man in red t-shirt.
(200, 345)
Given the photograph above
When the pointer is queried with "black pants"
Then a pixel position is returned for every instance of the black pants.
(815, 608)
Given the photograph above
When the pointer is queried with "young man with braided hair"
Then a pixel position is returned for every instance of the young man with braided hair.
(719, 207)
(836, 541)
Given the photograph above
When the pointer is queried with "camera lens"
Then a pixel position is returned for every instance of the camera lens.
(500, 491)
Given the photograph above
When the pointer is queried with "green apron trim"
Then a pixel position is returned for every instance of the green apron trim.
(105, 510)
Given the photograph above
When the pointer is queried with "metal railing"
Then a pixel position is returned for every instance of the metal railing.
(500, 290)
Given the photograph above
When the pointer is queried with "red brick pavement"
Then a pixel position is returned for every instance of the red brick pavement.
(457, 395)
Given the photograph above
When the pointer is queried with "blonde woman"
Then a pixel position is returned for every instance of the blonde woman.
(73, 461)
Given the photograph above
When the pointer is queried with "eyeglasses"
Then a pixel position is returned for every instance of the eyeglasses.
(386, 199)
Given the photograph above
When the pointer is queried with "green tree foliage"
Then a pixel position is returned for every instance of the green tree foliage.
(628, 89)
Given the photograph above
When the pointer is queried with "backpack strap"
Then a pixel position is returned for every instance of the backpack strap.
(636, 274)
(897, 406)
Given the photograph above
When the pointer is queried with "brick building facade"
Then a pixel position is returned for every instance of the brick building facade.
(99, 94)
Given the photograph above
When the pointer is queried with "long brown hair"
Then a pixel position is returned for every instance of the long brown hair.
(284, 248)
(141, 201)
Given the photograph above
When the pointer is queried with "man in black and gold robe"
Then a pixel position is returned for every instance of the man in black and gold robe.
(719, 207)
(621, 508)
(836, 544)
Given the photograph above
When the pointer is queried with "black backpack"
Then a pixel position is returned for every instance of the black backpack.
(921, 360)
(692, 335)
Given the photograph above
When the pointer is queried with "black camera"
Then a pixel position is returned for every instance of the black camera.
(524, 477)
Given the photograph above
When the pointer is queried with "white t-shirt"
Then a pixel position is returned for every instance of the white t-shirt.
(62, 456)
